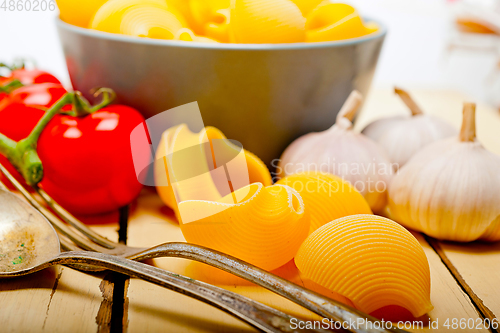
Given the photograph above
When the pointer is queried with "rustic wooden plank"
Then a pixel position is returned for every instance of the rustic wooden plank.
(59, 299)
(447, 296)
(477, 268)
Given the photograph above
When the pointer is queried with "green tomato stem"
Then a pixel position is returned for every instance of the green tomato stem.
(32, 139)
(6, 145)
(9, 87)
(22, 154)
(108, 96)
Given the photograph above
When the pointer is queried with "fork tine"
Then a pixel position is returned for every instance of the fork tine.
(67, 245)
(60, 226)
(73, 221)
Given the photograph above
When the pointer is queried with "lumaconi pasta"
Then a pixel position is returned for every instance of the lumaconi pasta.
(184, 167)
(150, 18)
(334, 21)
(230, 21)
(371, 260)
(188, 35)
(326, 197)
(306, 6)
(266, 227)
(211, 18)
(266, 21)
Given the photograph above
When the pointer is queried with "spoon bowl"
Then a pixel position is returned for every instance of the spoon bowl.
(27, 239)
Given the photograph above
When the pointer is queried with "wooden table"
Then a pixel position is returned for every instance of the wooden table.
(465, 278)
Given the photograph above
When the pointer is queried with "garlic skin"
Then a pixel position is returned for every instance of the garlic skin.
(402, 137)
(342, 152)
(450, 190)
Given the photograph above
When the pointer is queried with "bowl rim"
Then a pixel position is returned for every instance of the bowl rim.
(381, 33)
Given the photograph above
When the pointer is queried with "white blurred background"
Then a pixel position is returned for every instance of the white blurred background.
(423, 49)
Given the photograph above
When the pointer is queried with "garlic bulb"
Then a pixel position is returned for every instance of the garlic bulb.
(402, 136)
(450, 189)
(344, 153)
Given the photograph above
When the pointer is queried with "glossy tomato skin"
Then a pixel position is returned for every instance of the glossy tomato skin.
(88, 165)
(33, 76)
(39, 95)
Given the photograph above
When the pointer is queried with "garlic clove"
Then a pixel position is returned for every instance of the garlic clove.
(344, 153)
(402, 137)
(449, 190)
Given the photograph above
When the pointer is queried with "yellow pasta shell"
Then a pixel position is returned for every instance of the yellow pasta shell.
(266, 21)
(211, 18)
(171, 168)
(371, 260)
(326, 197)
(188, 35)
(77, 13)
(265, 228)
(306, 6)
(334, 21)
(151, 18)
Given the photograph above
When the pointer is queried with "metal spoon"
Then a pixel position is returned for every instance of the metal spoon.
(28, 244)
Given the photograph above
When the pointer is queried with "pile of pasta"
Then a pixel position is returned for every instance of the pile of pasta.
(223, 21)
(225, 199)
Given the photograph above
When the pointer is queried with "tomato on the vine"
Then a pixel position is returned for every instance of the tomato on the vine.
(87, 160)
(42, 95)
(33, 76)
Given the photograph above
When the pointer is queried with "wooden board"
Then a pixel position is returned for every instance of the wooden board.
(64, 300)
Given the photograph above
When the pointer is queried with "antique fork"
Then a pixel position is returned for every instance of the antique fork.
(75, 232)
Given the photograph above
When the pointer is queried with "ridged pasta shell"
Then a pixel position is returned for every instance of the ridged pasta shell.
(266, 21)
(174, 169)
(151, 18)
(72, 11)
(188, 35)
(306, 6)
(371, 260)
(334, 21)
(326, 197)
(265, 227)
(211, 18)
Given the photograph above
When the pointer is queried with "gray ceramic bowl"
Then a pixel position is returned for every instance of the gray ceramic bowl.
(263, 96)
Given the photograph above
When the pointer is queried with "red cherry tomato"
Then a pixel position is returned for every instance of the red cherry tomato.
(33, 76)
(87, 161)
(40, 95)
(88, 164)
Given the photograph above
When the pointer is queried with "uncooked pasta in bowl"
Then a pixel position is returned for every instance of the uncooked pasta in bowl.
(222, 21)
